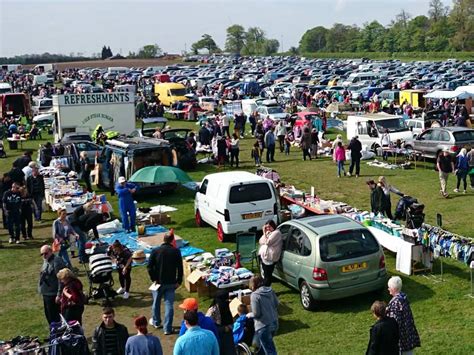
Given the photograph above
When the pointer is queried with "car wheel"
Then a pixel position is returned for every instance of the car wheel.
(408, 147)
(198, 219)
(306, 298)
(220, 233)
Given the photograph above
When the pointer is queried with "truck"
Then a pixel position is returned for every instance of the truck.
(14, 105)
(81, 113)
(370, 127)
(413, 97)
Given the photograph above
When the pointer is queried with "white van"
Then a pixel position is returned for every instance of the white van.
(44, 68)
(370, 128)
(357, 78)
(153, 70)
(118, 70)
(43, 79)
(5, 87)
(11, 67)
(236, 201)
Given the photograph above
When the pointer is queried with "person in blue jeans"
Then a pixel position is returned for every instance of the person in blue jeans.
(125, 191)
(165, 268)
(62, 232)
(264, 303)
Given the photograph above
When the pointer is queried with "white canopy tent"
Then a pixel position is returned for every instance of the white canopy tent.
(461, 93)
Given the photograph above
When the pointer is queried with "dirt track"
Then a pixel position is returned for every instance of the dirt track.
(143, 63)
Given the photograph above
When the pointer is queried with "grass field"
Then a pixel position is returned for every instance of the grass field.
(443, 313)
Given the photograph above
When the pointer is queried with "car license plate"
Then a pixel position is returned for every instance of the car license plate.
(354, 267)
(252, 215)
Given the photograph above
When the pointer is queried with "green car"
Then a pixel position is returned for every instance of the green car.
(329, 257)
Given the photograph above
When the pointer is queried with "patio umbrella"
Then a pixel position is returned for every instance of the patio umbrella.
(160, 175)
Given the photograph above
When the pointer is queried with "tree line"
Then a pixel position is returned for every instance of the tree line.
(252, 41)
(443, 29)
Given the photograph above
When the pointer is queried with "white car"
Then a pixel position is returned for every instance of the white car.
(41, 105)
(417, 126)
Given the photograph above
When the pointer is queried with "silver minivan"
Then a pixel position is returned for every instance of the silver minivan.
(329, 257)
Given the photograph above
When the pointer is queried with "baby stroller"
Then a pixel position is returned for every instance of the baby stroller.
(244, 340)
(409, 210)
(100, 273)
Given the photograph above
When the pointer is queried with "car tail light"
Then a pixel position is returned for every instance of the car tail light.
(226, 215)
(382, 262)
(454, 148)
(320, 274)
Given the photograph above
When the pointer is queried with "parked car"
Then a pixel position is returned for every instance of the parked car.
(178, 140)
(434, 140)
(329, 257)
(149, 125)
(76, 137)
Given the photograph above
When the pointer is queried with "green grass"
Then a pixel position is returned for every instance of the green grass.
(443, 313)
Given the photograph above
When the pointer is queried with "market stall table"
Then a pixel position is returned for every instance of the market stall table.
(13, 142)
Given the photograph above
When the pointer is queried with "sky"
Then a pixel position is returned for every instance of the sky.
(84, 26)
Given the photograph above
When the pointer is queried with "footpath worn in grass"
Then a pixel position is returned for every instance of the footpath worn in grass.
(443, 313)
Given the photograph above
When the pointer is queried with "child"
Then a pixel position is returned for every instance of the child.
(340, 157)
(243, 327)
(255, 153)
(287, 144)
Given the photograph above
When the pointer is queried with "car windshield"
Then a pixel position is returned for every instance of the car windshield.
(274, 109)
(175, 134)
(250, 192)
(178, 92)
(393, 125)
(347, 245)
(464, 136)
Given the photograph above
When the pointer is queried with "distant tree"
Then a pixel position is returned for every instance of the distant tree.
(462, 20)
(206, 42)
(293, 50)
(437, 10)
(270, 46)
(104, 52)
(149, 51)
(235, 39)
(314, 40)
(254, 41)
(371, 37)
(109, 52)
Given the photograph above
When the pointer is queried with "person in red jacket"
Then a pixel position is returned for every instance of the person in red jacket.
(72, 297)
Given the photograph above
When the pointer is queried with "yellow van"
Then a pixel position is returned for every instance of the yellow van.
(169, 93)
(414, 97)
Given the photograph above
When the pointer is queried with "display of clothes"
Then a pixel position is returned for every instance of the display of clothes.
(448, 244)
(227, 274)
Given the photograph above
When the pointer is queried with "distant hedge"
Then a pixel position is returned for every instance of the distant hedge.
(406, 56)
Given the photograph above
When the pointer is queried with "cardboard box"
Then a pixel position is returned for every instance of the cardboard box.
(160, 218)
(157, 239)
(234, 306)
(187, 270)
(206, 290)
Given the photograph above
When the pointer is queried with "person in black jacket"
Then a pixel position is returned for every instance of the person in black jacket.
(12, 207)
(384, 334)
(36, 188)
(5, 185)
(355, 146)
(165, 268)
(375, 196)
(109, 337)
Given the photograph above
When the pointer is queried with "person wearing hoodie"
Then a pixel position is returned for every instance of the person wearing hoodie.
(264, 303)
(271, 243)
(470, 157)
(399, 309)
(191, 304)
(462, 168)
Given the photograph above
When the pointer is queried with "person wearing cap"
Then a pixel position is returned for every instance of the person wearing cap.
(125, 191)
(196, 341)
(355, 146)
(445, 165)
(143, 343)
(205, 322)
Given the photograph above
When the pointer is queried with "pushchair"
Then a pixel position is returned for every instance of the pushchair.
(409, 210)
(244, 343)
(100, 273)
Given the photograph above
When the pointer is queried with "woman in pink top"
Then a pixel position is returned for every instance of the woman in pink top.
(340, 157)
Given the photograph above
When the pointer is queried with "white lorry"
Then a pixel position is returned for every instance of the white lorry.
(81, 113)
(371, 127)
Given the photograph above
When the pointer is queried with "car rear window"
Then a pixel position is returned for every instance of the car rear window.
(347, 245)
(250, 193)
(464, 136)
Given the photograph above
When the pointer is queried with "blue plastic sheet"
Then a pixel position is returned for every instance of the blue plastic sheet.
(130, 240)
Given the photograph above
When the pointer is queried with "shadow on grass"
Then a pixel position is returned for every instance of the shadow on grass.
(286, 326)
(457, 271)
